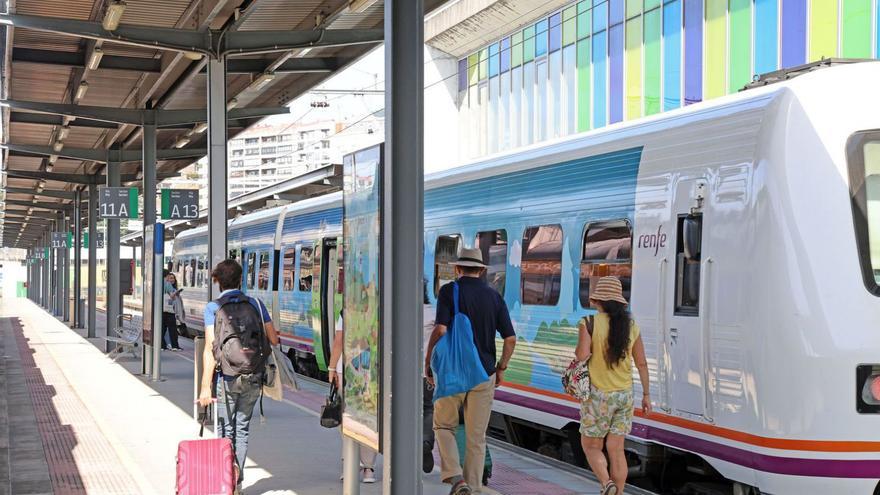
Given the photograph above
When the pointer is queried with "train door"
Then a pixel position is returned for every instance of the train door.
(684, 335)
(330, 307)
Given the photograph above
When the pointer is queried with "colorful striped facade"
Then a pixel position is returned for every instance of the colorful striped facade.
(597, 62)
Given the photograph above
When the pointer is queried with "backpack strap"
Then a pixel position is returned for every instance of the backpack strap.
(455, 296)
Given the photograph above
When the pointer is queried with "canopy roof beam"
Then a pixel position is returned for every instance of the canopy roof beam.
(40, 204)
(76, 178)
(57, 120)
(79, 59)
(203, 41)
(105, 155)
(154, 65)
(50, 193)
(138, 117)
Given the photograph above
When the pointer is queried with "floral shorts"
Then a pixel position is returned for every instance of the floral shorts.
(607, 412)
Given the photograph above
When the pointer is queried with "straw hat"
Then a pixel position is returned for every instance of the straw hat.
(470, 257)
(608, 289)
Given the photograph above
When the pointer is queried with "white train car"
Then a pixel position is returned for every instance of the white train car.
(747, 230)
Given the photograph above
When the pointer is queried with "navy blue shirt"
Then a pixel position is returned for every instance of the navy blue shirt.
(487, 311)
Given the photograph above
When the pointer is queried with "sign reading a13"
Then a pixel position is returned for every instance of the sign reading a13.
(180, 204)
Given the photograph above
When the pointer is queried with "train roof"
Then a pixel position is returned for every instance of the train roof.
(312, 204)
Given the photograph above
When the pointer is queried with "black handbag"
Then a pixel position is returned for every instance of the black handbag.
(331, 411)
(182, 330)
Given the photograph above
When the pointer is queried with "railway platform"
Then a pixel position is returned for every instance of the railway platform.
(72, 421)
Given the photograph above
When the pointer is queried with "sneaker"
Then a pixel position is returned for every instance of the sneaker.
(461, 488)
(369, 475)
(427, 458)
(609, 489)
(175, 349)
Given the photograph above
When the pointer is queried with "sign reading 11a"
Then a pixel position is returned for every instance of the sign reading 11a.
(180, 204)
(118, 202)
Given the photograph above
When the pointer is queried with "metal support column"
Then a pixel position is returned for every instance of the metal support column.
(402, 217)
(53, 270)
(93, 262)
(65, 274)
(149, 186)
(46, 270)
(111, 242)
(77, 259)
(216, 166)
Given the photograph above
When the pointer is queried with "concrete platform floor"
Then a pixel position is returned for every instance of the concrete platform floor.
(74, 422)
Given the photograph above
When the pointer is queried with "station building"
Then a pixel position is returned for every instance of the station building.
(529, 70)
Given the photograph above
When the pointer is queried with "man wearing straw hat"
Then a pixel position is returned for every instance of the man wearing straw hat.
(488, 314)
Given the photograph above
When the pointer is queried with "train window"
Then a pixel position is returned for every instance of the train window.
(263, 277)
(185, 272)
(445, 252)
(287, 269)
(542, 265)
(493, 245)
(687, 265)
(863, 154)
(306, 261)
(607, 251)
(192, 272)
(201, 273)
(251, 270)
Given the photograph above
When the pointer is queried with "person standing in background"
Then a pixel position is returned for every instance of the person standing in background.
(368, 455)
(169, 317)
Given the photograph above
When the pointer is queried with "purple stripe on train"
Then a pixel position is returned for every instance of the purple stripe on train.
(828, 468)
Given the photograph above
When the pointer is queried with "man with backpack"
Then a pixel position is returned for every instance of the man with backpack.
(487, 313)
(238, 335)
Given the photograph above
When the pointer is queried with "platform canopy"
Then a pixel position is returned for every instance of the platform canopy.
(80, 76)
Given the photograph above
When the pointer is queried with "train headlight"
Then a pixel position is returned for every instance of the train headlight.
(868, 388)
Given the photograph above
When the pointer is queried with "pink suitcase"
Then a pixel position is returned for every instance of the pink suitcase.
(206, 467)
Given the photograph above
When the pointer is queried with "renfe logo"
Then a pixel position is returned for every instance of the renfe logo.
(655, 241)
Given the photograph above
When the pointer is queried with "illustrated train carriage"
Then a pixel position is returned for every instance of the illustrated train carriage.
(746, 231)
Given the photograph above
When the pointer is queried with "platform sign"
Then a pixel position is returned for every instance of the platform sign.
(180, 204)
(362, 200)
(118, 202)
(60, 240)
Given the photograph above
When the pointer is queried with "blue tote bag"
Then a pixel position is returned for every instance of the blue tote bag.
(455, 361)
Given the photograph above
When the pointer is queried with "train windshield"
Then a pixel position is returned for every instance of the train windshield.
(864, 163)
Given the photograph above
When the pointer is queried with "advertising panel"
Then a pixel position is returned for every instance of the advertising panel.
(362, 199)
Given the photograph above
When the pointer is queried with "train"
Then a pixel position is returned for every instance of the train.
(746, 231)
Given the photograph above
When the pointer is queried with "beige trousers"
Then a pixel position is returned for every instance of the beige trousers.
(477, 404)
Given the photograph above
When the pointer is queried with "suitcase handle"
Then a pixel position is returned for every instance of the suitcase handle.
(213, 408)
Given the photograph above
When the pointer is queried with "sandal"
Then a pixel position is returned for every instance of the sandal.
(609, 488)
(462, 488)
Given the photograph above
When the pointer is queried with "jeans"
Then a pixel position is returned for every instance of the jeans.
(242, 393)
(169, 328)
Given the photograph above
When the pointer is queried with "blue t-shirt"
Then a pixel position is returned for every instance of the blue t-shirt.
(212, 307)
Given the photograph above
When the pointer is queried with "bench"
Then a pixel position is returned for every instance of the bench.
(128, 335)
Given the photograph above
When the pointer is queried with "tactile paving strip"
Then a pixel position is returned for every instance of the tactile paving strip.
(80, 458)
(510, 481)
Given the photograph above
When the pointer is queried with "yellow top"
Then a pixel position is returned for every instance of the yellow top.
(619, 376)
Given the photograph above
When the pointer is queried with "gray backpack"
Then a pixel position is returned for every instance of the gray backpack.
(241, 345)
